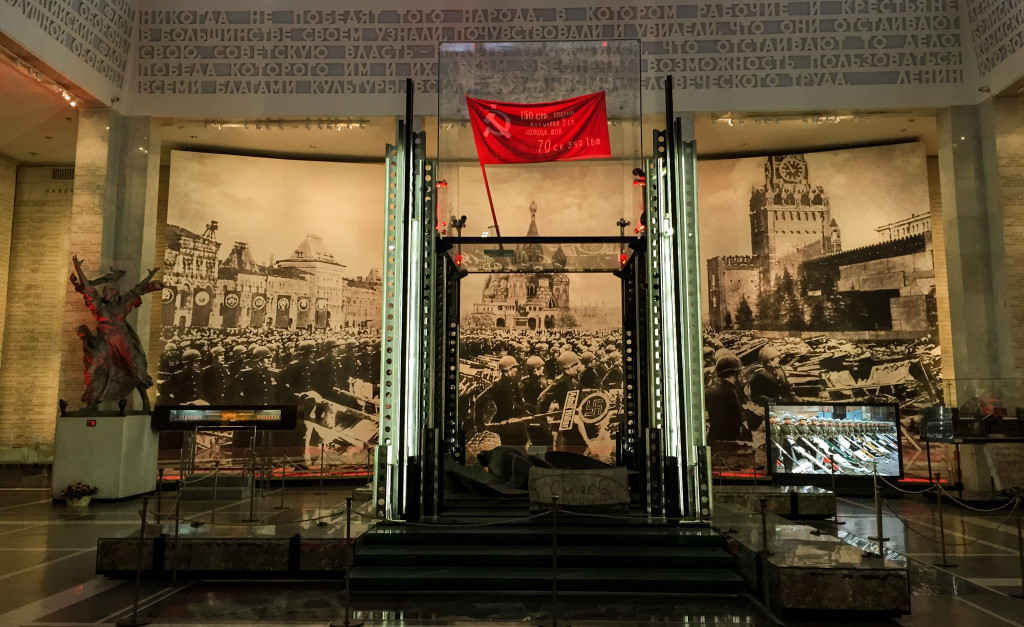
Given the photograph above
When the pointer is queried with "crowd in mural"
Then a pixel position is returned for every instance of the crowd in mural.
(332, 376)
(554, 388)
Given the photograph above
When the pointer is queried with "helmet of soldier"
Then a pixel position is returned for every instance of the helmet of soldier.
(507, 362)
(768, 353)
(567, 359)
(190, 355)
(170, 347)
(239, 350)
(727, 364)
(534, 361)
(587, 358)
(615, 355)
(217, 350)
(260, 352)
(306, 346)
(330, 343)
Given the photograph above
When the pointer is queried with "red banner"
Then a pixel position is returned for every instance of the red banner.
(567, 130)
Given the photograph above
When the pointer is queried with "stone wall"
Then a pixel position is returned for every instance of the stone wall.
(1010, 154)
(87, 40)
(8, 181)
(316, 58)
(29, 373)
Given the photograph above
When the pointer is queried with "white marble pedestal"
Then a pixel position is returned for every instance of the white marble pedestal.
(115, 453)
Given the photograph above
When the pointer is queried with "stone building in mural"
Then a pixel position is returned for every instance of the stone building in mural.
(796, 243)
(307, 290)
(525, 299)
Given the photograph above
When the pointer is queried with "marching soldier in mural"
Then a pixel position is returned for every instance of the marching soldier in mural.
(562, 395)
(115, 361)
(589, 377)
(185, 387)
(724, 401)
(768, 382)
(532, 386)
(500, 408)
(236, 365)
(299, 375)
(216, 377)
(257, 383)
(613, 377)
(331, 374)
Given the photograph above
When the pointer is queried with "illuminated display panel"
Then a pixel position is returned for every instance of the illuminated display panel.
(185, 418)
(834, 438)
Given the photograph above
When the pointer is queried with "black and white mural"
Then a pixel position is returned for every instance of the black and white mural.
(273, 294)
(540, 349)
(819, 286)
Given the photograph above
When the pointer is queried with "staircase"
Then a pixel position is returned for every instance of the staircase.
(497, 550)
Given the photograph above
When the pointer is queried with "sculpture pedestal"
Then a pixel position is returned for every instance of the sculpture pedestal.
(115, 453)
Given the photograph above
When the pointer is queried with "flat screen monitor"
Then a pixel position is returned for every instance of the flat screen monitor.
(840, 439)
(189, 417)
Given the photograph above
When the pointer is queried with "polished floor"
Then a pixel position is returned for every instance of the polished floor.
(48, 552)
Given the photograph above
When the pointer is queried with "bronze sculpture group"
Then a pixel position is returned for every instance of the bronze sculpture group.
(115, 362)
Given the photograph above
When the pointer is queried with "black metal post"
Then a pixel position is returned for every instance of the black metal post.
(213, 508)
(133, 620)
(835, 497)
(348, 518)
(159, 494)
(252, 487)
(942, 527)
(321, 490)
(284, 473)
(347, 621)
(879, 536)
(177, 527)
(1020, 542)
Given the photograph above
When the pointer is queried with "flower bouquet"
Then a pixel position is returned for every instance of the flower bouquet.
(78, 493)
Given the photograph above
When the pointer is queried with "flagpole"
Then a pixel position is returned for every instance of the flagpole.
(490, 201)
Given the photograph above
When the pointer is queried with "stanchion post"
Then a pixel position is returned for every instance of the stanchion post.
(764, 553)
(133, 620)
(1020, 541)
(879, 536)
(764, 526)
(348, 519)
(284, 473)
(252, 487)
(177, 526)
(213, 508)
(159, 494)
(349, 549)
(835, 497)
(554, 560)
(942, 526)
(321, 491)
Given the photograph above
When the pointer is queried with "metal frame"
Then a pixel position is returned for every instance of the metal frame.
(663, 435)
(674, 343)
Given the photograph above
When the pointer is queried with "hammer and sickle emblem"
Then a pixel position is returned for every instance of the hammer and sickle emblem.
(491, 122)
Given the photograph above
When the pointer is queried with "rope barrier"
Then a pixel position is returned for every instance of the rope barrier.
(932, 538)
(966, 506)
(899, 489)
